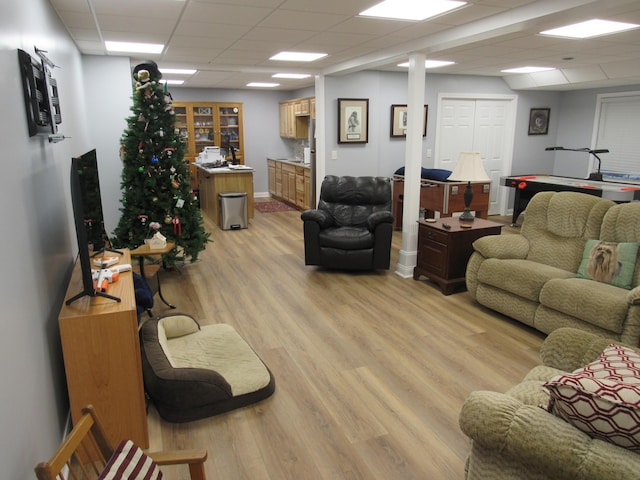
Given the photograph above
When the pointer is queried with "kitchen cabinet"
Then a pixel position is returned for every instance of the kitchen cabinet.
(290, 181)
(294, 117)
(207, 124)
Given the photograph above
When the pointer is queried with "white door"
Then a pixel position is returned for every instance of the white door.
(478, 124)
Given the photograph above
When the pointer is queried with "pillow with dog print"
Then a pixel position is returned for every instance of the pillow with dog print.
(609, 262)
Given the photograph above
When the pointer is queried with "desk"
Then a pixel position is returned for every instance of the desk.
(144, 251)
(213, 181)
(443, 197)
(526, 186)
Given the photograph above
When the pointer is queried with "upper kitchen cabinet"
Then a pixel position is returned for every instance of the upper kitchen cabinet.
(294, 117)
(207, 124)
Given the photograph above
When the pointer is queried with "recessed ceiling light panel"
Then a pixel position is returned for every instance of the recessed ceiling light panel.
(411, 9)
(132, 47)
(262, 84)
(298, 56)
(291, 75)
(172, 82)
(527, 69)
(590, 28)
(430, 63)
(178, 71)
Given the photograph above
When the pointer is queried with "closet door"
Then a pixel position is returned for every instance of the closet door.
(478, 125)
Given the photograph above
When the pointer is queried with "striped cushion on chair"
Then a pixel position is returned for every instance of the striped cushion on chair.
(129, 462)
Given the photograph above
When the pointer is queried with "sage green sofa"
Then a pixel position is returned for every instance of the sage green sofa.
(513, 438)
(532, 276)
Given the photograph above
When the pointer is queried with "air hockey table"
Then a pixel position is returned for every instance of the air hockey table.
(526, 186)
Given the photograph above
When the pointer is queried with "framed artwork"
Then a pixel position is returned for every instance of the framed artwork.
(399, 121)
(539, 121)
(353, 120)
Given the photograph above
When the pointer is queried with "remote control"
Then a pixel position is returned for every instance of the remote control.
(446, 225)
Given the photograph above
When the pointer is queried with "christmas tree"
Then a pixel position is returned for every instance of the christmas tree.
(156, 193)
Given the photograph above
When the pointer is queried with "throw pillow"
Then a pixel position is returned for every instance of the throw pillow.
(129, 462)
(438, 174)
(602, 399)
(609, 262)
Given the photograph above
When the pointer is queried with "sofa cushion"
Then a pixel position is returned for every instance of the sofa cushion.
(603, 398)
(346, 238)
(129, 462)
(520, 277)
(602, 305)
(609, 262)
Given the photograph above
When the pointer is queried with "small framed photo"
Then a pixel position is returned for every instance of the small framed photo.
(204, 110)
(399, 121)
(353, 120)
(539, 121)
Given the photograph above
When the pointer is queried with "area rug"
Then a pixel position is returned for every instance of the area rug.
(273, 207)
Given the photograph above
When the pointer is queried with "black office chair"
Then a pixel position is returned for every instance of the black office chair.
(352, 227)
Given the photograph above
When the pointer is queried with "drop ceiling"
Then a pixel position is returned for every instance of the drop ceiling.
(229, 42)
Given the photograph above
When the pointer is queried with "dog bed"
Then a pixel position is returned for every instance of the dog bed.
(192, 372)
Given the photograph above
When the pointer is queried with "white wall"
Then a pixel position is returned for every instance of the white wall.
(37, 243)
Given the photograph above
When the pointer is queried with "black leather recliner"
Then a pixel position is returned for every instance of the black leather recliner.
(352, 227)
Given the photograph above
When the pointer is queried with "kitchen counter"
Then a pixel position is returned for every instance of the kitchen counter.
(290, 181)
(213, 181)
(291, 161)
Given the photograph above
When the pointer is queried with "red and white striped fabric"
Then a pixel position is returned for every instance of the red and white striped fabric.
(603, 398)
(129, 462)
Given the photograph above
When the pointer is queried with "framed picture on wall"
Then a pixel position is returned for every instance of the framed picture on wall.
(539, 121)
(399, 121)
(353, 120)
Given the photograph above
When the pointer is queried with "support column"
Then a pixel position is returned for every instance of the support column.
(412, 166)
(319, 166)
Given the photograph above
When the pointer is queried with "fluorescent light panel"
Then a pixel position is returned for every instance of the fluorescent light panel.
(262, 84)
(590, 28)
(178, 71)
(291, 75)
(410, 9)
(298, 56)
(172, 82)
(430, 63)
(133, 47)
(527, 69)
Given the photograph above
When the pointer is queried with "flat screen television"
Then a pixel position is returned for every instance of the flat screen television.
(88, 219)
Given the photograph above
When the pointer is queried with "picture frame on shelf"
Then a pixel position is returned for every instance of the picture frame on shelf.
(399, 121)
(353, 120)
(204, 110)
(539, 121)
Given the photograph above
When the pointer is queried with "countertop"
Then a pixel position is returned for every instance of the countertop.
(231, 169)
(291, 161)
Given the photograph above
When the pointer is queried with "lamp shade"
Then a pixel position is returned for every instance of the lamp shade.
(469, 168)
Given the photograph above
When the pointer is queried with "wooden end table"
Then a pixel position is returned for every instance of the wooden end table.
(443, 253)
(144, 251)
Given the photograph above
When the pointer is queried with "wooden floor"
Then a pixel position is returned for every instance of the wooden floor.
(371, 369)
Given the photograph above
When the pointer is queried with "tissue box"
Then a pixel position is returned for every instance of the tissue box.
(156, 242)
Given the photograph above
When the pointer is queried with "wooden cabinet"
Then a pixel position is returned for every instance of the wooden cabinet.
(102, 360)
(443, 252)
(294, 117)
(290, 182)
(206, 124)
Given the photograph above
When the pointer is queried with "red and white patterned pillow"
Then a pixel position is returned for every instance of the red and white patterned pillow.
(603, 398)
(129, 462)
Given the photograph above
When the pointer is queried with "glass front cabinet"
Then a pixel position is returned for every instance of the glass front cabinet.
(207, 124)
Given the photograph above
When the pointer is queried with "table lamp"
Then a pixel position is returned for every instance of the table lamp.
(469, 169)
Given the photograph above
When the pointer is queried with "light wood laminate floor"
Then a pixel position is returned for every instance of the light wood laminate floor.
(371, 369)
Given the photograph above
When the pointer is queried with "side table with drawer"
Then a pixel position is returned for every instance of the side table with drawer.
(443, 253)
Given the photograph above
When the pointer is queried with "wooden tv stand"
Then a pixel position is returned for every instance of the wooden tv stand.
(102, 360)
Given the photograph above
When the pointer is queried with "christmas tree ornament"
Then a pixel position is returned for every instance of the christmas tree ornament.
(167, 219)
(154, 160)
(141, 169)
(177, 226)
(143, 219)
(175, 184)
(154, 199)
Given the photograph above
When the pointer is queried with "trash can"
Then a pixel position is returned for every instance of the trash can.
(233, 210)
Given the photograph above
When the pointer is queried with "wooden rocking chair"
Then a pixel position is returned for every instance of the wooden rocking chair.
(87, 452)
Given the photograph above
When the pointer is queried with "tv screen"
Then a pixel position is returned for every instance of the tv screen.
(88, 218)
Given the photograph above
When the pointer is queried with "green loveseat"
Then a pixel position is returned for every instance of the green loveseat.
(514, 438)
(532, 276)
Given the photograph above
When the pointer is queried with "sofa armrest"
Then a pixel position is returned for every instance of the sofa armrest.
(502, 246)
(376, 218)
(542, 442)
(633, 297)
(321, 217)
(568, 348)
